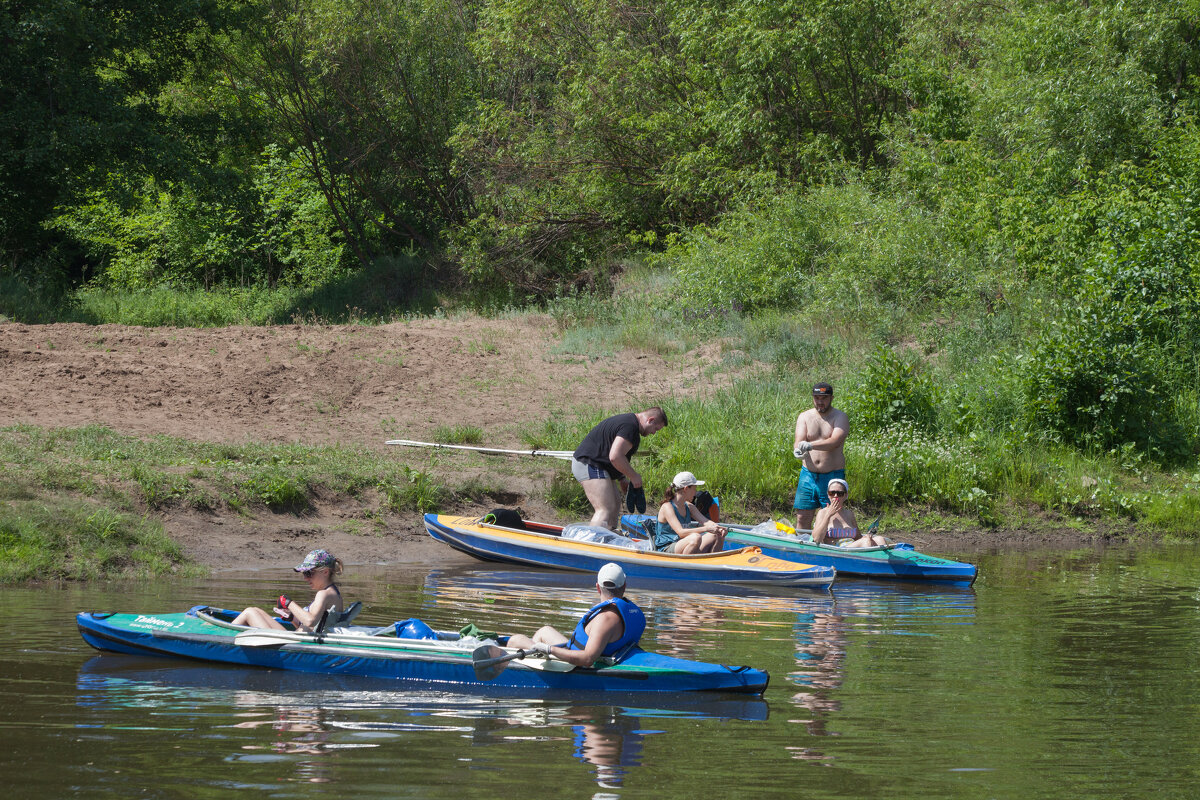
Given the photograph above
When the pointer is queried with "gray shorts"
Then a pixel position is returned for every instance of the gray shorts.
(587, 472)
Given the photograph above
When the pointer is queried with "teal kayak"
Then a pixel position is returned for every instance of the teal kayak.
(894, 561)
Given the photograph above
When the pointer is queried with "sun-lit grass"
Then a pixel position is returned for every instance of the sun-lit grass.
(43, 536)
(458, 434)
(90, 485)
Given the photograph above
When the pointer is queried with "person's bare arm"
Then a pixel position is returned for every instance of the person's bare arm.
(308, 617)
(801, 432)
(834, 441)
(617, 457)
(606, 627)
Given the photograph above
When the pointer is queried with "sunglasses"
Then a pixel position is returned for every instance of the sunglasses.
(836, 494)
(308, 573)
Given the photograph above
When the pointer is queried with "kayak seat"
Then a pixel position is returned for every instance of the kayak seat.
(347, 616)
(335, 619)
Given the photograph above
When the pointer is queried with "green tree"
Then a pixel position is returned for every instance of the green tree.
(368, 95)
(78, 83)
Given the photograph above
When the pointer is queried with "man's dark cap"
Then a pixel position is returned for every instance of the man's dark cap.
(823, 390)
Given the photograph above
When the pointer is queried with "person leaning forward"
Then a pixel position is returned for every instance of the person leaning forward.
(612, 627)
(820, 434)
(602, 459)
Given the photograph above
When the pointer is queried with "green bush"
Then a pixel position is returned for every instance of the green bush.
(892, 391)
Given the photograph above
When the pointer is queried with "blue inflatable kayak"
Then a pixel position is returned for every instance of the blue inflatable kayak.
(206, 634)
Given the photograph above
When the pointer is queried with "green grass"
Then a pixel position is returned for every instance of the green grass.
(388, 289)
(67, 494)
(458, 434)
(979, 478)
(44, 536)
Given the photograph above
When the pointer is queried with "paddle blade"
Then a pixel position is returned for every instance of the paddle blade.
(874, 525)
(264, 638)
(489, 660)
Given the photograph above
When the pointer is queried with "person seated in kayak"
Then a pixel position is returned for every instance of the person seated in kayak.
(682, 528)
(836, 523)
(318, 568)
(612, 627)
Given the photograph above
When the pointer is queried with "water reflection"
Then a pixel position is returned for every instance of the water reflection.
(306, 719)
(679, 622)
(1057, 675)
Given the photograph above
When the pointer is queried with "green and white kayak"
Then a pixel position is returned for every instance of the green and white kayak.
(894, 561)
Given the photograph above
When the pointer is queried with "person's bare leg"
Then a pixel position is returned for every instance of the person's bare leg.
(545, 634)
(257, 618)
(804, 518)
(602, 494)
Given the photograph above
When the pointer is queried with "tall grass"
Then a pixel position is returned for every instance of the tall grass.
(739, 441)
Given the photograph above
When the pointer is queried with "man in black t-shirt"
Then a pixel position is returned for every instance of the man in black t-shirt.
(601, 461)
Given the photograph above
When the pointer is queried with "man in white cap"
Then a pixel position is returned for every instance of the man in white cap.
(611, 628)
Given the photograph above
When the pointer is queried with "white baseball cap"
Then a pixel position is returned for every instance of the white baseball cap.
(611, 576)
(683, 479)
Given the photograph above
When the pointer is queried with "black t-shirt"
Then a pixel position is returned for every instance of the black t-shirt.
(596, 445)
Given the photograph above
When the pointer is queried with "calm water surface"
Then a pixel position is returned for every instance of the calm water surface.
(1056, 675)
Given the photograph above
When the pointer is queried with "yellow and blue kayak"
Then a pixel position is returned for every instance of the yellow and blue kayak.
(543, 545)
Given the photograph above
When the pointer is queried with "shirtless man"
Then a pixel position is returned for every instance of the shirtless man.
(820, 433)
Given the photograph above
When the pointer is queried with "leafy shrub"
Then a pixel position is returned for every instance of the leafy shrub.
(892, 392)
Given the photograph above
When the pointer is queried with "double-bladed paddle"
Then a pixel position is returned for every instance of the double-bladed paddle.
(489, 660)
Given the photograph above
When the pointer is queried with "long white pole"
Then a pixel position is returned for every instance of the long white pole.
(566, 455)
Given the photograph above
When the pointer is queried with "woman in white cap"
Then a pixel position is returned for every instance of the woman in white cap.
(836, 523)
(318, 568)
(682, 528)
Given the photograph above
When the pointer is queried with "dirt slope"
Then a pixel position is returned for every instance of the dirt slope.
(320, 385)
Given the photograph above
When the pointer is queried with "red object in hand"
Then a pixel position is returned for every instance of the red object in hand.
(284, 602)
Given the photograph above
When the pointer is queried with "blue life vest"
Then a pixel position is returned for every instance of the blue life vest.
(631, 615)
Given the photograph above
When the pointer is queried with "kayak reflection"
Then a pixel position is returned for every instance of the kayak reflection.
(312, 717)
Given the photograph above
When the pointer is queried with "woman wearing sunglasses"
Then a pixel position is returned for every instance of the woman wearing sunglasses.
(318, 568)
(836, 523)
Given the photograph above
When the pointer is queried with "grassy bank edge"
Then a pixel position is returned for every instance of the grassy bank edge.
(87, 503)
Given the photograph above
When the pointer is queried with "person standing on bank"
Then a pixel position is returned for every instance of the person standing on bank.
(820, 434)
(601, 462)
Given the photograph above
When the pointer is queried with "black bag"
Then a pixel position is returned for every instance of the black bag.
(505, 518)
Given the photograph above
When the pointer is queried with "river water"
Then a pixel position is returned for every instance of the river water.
(1059, 674)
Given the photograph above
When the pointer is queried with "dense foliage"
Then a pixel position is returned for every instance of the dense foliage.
(1007, 194)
